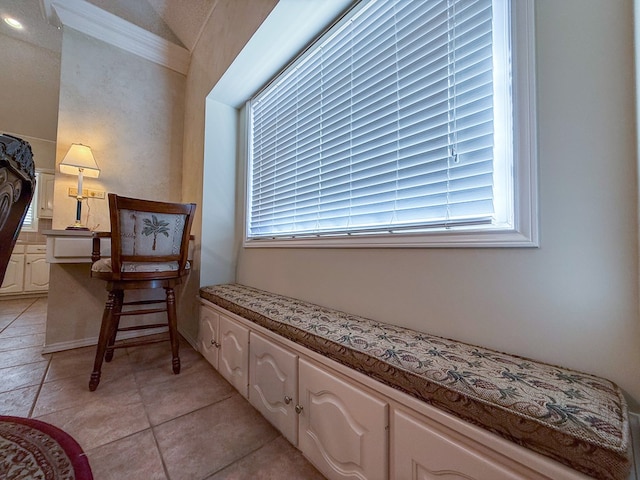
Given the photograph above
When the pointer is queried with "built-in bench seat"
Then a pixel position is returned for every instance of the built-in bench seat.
(575, 418)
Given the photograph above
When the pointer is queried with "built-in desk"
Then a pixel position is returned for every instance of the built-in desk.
(76, 300)
(73, 246)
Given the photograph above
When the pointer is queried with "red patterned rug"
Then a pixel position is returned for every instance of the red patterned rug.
(31, 449)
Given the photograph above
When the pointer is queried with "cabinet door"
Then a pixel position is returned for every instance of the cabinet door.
(233, 357)
(45, 195)
(208, 335)
(36, 273)
(342, 429)
(14, 276)
(424, 451)
(273, 384)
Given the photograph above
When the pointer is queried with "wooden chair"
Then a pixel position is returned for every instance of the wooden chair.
(149, 249)
(17, 186)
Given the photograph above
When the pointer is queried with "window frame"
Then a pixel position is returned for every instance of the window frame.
(525, 226)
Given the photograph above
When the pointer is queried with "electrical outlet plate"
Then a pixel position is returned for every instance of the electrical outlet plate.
(86, 193)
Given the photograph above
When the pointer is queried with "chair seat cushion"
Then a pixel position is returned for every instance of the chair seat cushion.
(104, 265)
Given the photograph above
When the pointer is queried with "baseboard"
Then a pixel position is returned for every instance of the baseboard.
(87, 342)
(190, 340)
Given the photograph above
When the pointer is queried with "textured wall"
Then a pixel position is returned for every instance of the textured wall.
(130, 111)
(29, 86)
(228, 29)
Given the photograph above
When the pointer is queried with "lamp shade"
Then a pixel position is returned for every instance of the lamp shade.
(79, 157)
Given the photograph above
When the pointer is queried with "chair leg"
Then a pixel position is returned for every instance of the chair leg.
(173, 329)
(105, 329)
(115, 323)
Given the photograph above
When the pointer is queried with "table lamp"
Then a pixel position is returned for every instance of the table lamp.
(79, 161)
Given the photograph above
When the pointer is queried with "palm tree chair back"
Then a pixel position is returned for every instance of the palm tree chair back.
(149, 249)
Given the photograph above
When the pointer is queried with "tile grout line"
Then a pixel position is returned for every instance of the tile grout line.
(37, 396)
(239, 459)
(19, 315)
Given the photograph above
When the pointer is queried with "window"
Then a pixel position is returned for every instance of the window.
(30, 223)
(398, 127)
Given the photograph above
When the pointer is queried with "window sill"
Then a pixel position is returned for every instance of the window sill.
(445, 239)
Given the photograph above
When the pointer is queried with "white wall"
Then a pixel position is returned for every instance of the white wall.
(29, 86)
(574, 300)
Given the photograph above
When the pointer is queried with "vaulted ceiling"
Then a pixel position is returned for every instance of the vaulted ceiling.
(178, 21)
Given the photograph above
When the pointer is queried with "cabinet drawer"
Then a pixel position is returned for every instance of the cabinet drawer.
(42, 249)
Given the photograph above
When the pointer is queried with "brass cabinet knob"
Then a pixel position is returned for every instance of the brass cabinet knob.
(287, 399)
(298, 409)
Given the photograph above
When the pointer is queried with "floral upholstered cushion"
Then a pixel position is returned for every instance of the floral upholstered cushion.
(144, 233)
(104, 265)
(576, 418)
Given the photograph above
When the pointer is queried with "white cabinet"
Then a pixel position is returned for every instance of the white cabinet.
(423, 450)
(233, 356)
(225, 343)
(343, 428)
(36, 269)
(14, 276)
(349, 425)
(208, 335)
(45, 194)
(273, 384)
(27, 272)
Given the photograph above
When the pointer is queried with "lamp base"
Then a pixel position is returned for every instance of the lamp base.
(77, 227)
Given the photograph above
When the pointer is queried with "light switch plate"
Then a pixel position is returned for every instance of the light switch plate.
(86, 193)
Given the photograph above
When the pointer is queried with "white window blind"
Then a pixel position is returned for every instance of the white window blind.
(386, 124)
(28, 219)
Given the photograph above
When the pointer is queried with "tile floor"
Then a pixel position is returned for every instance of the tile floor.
(142, 422)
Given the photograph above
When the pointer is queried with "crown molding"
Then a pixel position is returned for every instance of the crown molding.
(109, 28)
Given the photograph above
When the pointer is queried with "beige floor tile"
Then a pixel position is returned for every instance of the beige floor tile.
(205, 441)
(22, 356)
(5, 321)
(18, 402)
(22, 375)
(30, 318)
(159, 356)
(103, 420)
(134, 457)
(24, 341)
(167, 396)
(74, 391)
(79, 361)
(16, 306)
(276, 460)
(21, 330)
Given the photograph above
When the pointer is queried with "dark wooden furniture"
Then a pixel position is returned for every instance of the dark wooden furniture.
(17, 187)
(149, 249)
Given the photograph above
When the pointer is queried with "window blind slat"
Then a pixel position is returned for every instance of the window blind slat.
(387, 122)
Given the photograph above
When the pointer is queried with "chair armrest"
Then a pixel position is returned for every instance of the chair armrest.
(95, 244)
